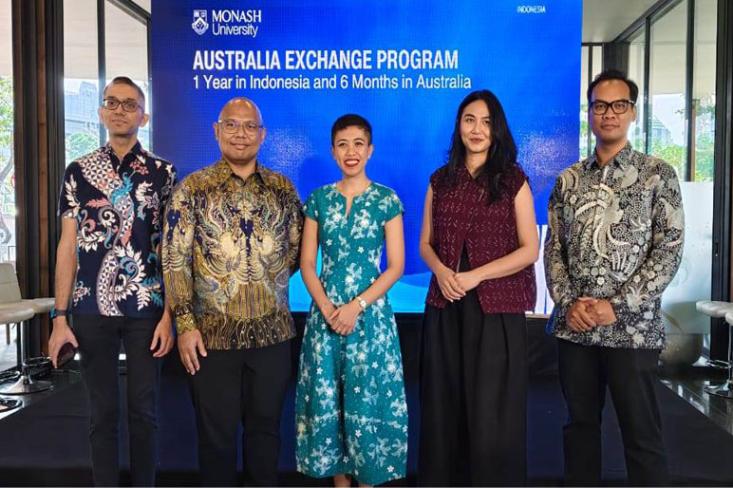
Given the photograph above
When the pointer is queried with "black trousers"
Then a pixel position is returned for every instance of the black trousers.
(473, 396)
(99, 347)
(241, 385)
(630, 375)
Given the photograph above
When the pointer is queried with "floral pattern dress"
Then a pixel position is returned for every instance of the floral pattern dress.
(350, 410)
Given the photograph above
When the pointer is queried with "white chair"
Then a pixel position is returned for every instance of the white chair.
(720, 310)
(10, 291)
(726, 389)
(19, 314)
(713, 308)
(716, 310)
(15, 310)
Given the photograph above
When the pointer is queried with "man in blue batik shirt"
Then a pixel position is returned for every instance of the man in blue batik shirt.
(108, 276)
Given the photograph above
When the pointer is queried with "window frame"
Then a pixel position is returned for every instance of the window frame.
(722, 265)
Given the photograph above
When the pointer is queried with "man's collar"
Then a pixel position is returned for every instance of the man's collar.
(222, 172)
(621, 159)
(136, 150)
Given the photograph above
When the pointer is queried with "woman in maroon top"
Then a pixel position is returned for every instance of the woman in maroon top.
(479, 238)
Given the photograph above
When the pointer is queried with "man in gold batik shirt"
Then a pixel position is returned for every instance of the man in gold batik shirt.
(231, 239)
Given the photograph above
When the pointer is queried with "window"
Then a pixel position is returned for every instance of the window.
(667, 112)
(637, 136)
(591, 63)
(8, 334)
(81, 78)
(703, 91)
(671, 55)
(584, 133)
(126, 54)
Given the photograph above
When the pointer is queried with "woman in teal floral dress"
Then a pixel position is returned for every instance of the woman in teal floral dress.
(350, 410)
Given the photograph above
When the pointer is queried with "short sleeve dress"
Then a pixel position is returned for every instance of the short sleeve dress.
(350, 411)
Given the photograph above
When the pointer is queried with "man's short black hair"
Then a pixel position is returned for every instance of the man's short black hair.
(124, 80)
(614, 74)
(351, 120)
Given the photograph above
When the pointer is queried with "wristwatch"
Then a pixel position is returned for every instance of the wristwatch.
(362, 303)
(55, 312)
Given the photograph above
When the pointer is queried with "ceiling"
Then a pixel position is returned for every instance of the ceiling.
(604, 20)
(125, 48)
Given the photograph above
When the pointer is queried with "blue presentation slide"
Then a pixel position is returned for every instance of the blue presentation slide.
(404, 65)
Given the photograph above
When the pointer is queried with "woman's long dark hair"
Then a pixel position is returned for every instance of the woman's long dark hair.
(502, 155)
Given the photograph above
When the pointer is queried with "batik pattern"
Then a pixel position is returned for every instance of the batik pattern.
(230, 246)
(616, 232)
(118, 207)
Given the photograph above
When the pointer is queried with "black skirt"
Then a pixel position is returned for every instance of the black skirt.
(473, 396)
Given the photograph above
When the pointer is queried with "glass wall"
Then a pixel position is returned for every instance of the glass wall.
(8, 333)
(591, 63)
(667, 88)
(676, 121)
(636, 72)
(125, 54)
(584, 142)
(703, 90)
(81, 78)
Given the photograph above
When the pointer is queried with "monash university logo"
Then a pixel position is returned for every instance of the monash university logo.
(199, 22)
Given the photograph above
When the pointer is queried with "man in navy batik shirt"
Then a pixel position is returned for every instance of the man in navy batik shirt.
(108, 276)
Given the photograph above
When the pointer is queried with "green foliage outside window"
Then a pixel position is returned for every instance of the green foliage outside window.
(79, 144)
(7, 163)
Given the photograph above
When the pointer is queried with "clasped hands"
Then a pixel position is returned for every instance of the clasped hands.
(588, 312)
(342, 320)
(453, 285)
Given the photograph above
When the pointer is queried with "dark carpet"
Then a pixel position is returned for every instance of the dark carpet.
(46, 443)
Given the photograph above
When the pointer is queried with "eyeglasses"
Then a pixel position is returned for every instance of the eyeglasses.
(232, 126)
(128, 105)
(617, 106)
